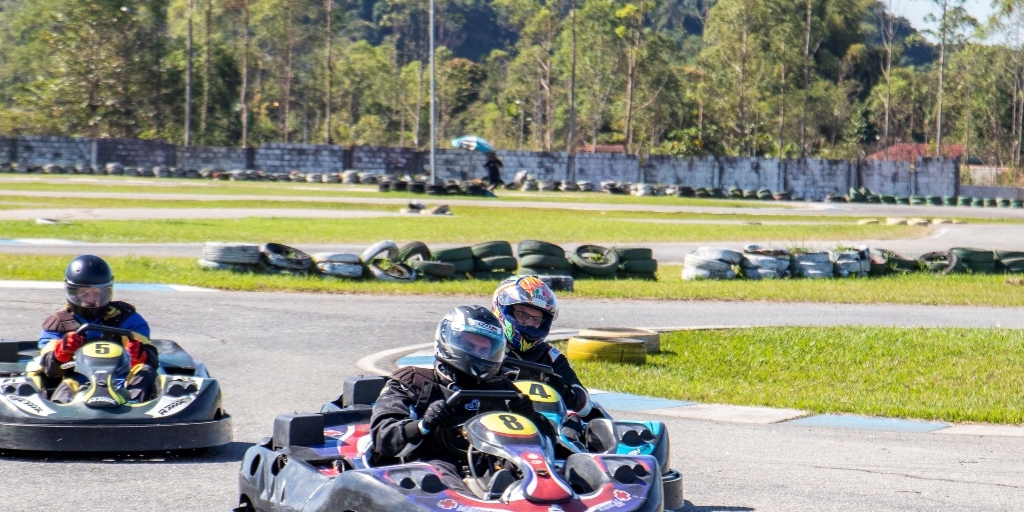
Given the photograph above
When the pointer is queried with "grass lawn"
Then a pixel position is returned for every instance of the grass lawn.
(962, 375)
(957, 290)
(468, 225)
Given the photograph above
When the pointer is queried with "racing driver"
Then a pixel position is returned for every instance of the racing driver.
(411, 417)
(89, 288)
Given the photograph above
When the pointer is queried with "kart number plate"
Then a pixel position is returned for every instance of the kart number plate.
(509, 424)
(102, 350)
(538, 392)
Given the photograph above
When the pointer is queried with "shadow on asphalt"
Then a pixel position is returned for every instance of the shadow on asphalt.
(690, 507)
(231, 452)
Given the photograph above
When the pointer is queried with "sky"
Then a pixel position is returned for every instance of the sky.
(916, 10)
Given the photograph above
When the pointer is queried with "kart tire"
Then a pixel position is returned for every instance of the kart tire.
(414, 250)
(350, 270)
(453, 254)
(490, 249)
(286, 258)
(492, 263)
(595, 261)
(537, 247)
(222, 252)
(376, 249)
(639, 266)
(695, 261)
(527, 271)
(545, 261)
(433, 268)
(633, 253)
(712, 253)
(621, 350)
(463, 267)
(336, 257)
(396, 273)
(651, 339)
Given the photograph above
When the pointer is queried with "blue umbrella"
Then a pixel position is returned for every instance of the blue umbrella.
(472, 143)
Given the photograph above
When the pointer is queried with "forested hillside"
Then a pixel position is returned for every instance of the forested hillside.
(831, 78)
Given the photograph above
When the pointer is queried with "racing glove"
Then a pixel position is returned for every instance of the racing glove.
(521, 405)
(67, 346)
(438, 415)
(134, 348)
(557, 382)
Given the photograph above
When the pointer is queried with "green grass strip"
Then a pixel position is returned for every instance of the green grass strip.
(960, 375)
(928, 289)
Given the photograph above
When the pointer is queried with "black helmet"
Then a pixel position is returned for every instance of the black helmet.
(469, 339)
(88, 285)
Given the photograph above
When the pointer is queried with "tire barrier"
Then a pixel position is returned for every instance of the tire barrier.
(651, 339)
(636, 262)
(812, 265)
(231, 253)
(282, 258)
(595, 261)
(621, 350)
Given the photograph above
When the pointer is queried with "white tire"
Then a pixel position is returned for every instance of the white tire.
(756, 261)
(232, 253)
(336, 257)
(693, 260)
(761, 273)
(351, 270)
(812, 257)
(726, 255)
(376, 249)
(692, 274)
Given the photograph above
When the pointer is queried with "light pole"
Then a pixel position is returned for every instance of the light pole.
(433, 100)
(188, 67)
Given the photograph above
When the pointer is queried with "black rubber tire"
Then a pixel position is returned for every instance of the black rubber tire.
(491, 276)
(453, 254)
(414, 250)
(474, 190)
(417, 187)
(544, 261)
(898, 262)
(633, 253)
(527, 271)
(945, 262)
(433, 268)
(970, 255)
(463, 267)
(399, 186)
(384, 186)
(495, 248)
(436, 190)
(639, 266)
(531, 247)
(492, 263)
(395, 273)
(595, 261)
(286, 258)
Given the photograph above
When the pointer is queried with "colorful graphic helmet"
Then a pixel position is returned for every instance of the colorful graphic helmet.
(526, 291)
(469, 340)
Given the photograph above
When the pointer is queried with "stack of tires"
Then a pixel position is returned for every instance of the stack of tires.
(978, 261)
(493, 260)
(944, 262)
(651, 339)
(282, 259)
(812, 265)
(593, 261)
(417, 256)
(892, 262)
(382, 261)
(537, 258)
(710, 263)
(460, 258)
(636, 263)
(230, 256)
(761, 263)
(852, 262)
(1010, 261)
(608, 345)
(338, 264)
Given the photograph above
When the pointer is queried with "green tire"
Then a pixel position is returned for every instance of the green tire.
(490, 249)
(639, 266)
(530, 247)
(492, 263)
(545, 261)
(453, 254)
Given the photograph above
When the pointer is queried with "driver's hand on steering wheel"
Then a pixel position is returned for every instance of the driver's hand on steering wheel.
(438, 415)
(67, 346)
(521, 405)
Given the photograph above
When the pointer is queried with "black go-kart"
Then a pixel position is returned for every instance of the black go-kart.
(323, 462)
(184, 412)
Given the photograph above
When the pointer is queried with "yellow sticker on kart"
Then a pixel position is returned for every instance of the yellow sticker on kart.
(538, 392)
(508, 424)
(102, 350)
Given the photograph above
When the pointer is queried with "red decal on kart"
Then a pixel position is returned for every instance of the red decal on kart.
(447, 504)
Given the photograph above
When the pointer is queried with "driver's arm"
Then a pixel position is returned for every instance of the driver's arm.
(393, 426)
(579, 399)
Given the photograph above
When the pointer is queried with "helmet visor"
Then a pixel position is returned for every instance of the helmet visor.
(479, 345)
(89, 296)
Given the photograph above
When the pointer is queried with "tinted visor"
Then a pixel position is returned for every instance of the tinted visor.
(478, 345)
(89, 296)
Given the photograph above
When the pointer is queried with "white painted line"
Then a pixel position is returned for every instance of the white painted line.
(983, 430)
(32, 285)
(731, 413)
(186, 288)
(369, 363)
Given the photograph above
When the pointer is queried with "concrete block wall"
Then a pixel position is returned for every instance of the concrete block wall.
(886, 177)
(936, 177)
(992, 192)
(384, 160)
(134, 152)
(44, 149)
(197, 158)
(815, 179)
(284, 158)
(7, 149)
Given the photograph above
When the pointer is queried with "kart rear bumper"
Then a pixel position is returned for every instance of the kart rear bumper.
(113, 438)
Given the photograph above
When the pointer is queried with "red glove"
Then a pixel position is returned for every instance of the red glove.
(134, 348)
(67, 346)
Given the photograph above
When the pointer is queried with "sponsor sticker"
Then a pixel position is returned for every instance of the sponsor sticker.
(447, 504)
(169, 406)
(621, 495)
(29, 404)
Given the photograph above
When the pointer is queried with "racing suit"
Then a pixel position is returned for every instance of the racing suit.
(405, 399)
(543, 353)
(117, 314)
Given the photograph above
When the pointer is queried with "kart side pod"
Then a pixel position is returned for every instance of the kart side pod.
(629, 438)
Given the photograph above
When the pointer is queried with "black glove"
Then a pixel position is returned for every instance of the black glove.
(521, 405)
(556, 382)
(438, 415)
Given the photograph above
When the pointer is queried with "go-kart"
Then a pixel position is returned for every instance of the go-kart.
(183, 413)
(323, 461)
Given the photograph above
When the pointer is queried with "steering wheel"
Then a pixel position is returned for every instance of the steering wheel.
(449, 436)
(104, 329)
(536, 368)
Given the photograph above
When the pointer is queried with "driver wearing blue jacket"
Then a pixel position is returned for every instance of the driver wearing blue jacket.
(89, 287)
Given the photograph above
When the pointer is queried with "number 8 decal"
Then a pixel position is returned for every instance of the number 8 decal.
(511, 422)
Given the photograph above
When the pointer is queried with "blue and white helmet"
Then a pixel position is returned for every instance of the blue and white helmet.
(469, 339)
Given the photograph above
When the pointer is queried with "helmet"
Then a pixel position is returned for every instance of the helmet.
(88, 285)
(526, 291)
(469, 340)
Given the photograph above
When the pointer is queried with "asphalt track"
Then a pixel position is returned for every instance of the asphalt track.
(278, 353)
